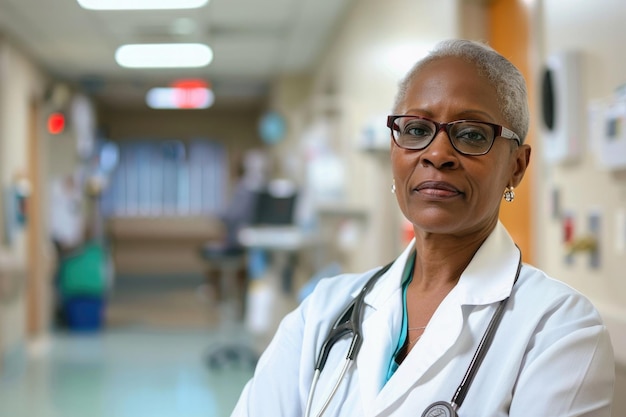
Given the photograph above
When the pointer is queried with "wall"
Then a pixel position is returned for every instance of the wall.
(596, 29)
(20, 83)
(236, 128)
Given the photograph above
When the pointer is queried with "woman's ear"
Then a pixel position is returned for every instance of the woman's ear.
(521, 157)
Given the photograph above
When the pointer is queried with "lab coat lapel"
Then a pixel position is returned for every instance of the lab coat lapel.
(425, 354)
(381, 325)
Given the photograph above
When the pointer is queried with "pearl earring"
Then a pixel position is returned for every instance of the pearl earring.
(393, 186)
(509, 194)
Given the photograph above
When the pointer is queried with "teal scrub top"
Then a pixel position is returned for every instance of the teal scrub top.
(407, 277)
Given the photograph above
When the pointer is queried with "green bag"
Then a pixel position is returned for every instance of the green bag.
(83, 274)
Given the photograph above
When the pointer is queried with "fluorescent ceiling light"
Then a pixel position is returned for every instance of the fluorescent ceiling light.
(180, 98)
(141, 4)
(164, 55)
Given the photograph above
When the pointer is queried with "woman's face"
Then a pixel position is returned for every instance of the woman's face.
(438, 189)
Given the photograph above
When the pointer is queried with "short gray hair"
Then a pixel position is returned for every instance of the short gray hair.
(506, 78)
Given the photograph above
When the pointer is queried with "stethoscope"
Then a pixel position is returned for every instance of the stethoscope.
(349, 321)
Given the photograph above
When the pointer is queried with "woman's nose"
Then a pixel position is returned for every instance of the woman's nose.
(440, 153)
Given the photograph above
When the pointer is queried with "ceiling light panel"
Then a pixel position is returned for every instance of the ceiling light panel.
(141, 4)
(164, 55)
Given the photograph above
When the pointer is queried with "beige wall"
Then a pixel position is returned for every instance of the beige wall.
(20, 83)
(236, 128)
(596, 29)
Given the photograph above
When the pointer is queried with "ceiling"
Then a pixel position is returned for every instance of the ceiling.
(253, 41)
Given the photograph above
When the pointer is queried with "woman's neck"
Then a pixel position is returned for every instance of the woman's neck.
(440, 260)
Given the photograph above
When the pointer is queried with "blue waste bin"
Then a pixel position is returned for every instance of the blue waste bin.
(84, 313)
(82, 287)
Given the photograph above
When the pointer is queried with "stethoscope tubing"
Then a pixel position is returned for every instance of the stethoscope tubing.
(316, 378)
(481, 350)
(348, 322)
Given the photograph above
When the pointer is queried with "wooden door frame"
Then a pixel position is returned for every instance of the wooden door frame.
(37, 317)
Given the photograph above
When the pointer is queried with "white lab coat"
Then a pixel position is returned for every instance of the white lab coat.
(551, 355)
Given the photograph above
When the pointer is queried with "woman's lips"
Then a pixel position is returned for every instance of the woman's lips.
(437, 189)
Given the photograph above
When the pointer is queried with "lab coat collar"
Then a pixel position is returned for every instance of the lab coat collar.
(490, 275)
(487, 279)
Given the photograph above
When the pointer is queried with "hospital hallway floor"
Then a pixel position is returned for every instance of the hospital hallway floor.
(164, 352)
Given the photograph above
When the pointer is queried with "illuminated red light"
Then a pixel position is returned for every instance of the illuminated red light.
(191, 83)
(190, 93)
(56, 123)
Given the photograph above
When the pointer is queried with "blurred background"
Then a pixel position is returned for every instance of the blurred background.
(163, 208)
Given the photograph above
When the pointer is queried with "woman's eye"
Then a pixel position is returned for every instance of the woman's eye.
(417, 130)
(471, 135)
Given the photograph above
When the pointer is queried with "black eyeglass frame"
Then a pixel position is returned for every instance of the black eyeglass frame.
(498, 130)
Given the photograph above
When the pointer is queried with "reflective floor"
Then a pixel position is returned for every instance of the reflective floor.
(126, 374)
(152, 360)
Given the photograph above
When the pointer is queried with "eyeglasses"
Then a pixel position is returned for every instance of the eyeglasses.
(469, 137)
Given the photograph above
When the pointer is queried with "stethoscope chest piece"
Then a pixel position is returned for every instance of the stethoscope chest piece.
(440, 409)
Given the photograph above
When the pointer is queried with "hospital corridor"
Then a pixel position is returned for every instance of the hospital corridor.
(154, 359)
(177, 176)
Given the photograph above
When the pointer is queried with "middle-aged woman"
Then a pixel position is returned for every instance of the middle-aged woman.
(461, 116)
